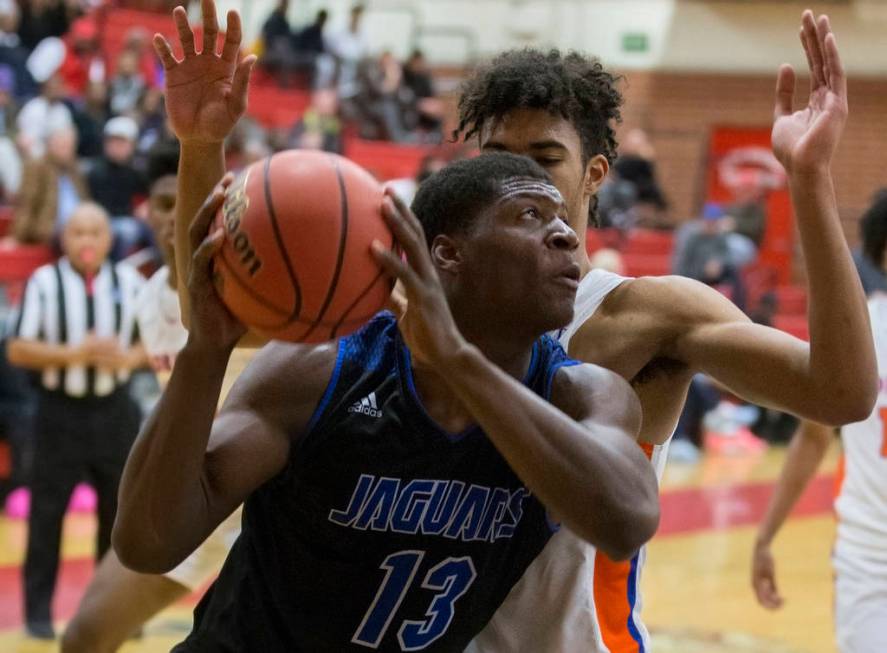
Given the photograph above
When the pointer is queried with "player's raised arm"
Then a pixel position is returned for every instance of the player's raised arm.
(833, 380)
(803, 457)
(578, 455)
(185, 472)
(206, 94)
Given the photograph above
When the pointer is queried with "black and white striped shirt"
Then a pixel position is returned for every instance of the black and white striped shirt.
(58, 309)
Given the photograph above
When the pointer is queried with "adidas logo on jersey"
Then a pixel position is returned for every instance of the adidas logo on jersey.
(366, 406)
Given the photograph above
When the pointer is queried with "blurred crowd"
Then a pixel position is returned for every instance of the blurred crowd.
(77, 122)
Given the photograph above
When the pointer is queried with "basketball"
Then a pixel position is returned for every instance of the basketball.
(296, 263)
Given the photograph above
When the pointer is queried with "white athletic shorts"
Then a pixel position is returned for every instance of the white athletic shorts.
(195, 570)
(860, 605)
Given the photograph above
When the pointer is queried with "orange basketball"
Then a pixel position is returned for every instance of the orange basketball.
(296, 263)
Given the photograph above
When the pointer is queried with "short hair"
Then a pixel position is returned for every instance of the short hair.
(873, 229)
(573, 86)
(450, 200)
(163, 161)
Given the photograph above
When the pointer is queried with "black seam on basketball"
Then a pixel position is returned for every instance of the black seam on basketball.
(340, 257)
(232, 271)
(363, 294)
(272, 216)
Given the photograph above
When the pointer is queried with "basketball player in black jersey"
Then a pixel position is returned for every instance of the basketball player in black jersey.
(398, 482)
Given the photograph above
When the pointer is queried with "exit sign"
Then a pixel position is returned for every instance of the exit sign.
(635, 42)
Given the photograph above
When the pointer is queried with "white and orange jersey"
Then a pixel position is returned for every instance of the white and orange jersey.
(861, 505)
(573, 597)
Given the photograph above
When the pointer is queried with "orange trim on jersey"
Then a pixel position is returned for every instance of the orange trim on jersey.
(611, 596)
(612, 605)
(839, 475)
(648, 449)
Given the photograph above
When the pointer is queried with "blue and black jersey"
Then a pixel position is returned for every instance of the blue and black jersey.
(384, 531)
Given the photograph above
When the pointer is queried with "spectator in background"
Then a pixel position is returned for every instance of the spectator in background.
(428, 109)
(52, 188)
(406, 188)
(127, 86)
(310, 46)
(83, 60)
(90, 113)
(45, 18)
(278, 44)
(77, 329)
(13, 53)
(749, 209)
(309, 40)
(41, 116)
(320, 127)
(702, 252)
(873, 233)
(637, 165)
(349, 48)
(10, 161)
(138, 42)
(381, 105)
(116, 186)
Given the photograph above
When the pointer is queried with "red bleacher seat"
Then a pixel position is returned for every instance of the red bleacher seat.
(792, 300)
(17, 262)
(648, 241)
(275, 107)
(386, 160)
(644, 265)
(7, 213)
(796, 325)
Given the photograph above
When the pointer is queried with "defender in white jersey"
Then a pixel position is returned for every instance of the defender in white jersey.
(655, 332)
(860, 552)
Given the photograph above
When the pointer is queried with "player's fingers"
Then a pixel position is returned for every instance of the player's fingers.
(186, 36)
(233, 36)
(407, 213)
(206, 214)
(410, 241)
(210, 26)
(837, 80)
(394, 266)
(806, 50)
(397, 300)
(164, 52)
(208, 248)
(240, 86)
(785, 90)
(813, 47)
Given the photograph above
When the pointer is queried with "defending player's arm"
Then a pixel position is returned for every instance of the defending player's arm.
(579, 456)
(833, 380)
(206, 94)
(185, 472)
(805, 453)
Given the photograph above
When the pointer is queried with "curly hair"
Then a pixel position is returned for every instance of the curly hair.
(572, 85)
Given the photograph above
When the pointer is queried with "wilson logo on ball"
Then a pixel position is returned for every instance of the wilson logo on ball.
(236, 204)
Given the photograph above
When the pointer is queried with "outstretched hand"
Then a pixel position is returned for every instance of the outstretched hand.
(427, 326)
(763, 578)
(805, 140)
(212, 324)
(205, 92)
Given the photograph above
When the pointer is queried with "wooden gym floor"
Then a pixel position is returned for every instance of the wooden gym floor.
(697, 597)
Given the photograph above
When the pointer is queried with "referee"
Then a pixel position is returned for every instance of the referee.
(77, 329)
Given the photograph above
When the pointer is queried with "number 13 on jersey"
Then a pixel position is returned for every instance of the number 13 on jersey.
(450, 579)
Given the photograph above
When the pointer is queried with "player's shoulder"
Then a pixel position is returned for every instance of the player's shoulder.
(281, 372)
(663, 303)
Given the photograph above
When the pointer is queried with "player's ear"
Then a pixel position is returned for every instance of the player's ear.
(446, 254)
(595, 173)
